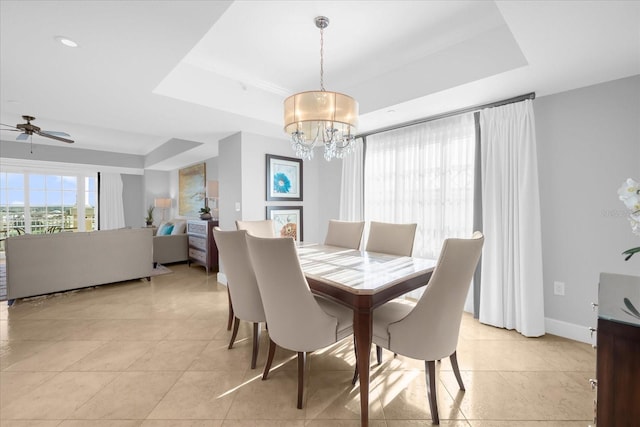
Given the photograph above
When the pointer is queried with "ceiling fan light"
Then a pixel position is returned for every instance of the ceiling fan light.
(66, 41)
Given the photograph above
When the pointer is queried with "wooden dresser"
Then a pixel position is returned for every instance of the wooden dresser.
(202, 246)
(618, 351)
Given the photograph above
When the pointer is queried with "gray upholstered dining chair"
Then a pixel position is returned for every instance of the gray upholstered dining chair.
(429, 329)
(345, 234)
(241, 284)
(260, 228)
(393, 239)
(297, 320)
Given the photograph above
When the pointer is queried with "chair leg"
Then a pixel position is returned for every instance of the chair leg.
(379, 354)
(256, 344)
(236, 324)
(267, 366)
(302, 360)
(231, 314)
(430, 373)
(456, 370)
(355, 371)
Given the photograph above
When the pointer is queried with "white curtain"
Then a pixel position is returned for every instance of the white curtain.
(352, 182)
(423, 174)
(511, 294)
(111, 204)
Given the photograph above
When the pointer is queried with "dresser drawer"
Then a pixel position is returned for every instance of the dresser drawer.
(198, 242)
(197, 227)
(198, 255)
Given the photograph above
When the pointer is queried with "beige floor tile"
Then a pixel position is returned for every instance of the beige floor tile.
(272, 399)
(59, 397)
(263, 423)
(29, 423)
(154, 354)
(56, 357)
(488, 395)
(195, 329)
(475, 423)
(553, 395)
(404, 396)
(101, 423)
(199, 395)
(423, 423)
(14, 385)
(113, 356)
(182, 423)
(331, 396)
(12, 352)
(169, 356)
(217, 357)
(132, 395)
(343, 423)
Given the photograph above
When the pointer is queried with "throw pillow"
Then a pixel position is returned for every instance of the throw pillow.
(165, 229)
(179, 227)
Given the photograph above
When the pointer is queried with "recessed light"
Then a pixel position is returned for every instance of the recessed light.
(391, 111)
(66, 41)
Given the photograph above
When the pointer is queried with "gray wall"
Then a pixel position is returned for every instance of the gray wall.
(132, 196)
(588, 144)
(157, 184)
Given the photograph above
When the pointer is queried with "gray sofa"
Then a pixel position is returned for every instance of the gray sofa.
(172, 248)
(47, 263)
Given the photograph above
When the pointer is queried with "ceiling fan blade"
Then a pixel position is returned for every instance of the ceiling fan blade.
(56, 133)
(9, 126)
(22, 137)
(58, 138)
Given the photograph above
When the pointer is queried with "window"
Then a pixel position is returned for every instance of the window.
(423, 174)
(46, 202)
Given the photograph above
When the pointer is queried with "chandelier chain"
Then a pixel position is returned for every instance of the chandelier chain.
(322, 59)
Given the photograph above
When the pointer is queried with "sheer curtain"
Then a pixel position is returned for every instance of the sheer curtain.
(511, 295)
(351, 192)
(111, 204)
(423, 174)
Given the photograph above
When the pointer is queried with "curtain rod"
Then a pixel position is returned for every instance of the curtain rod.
(531, 95)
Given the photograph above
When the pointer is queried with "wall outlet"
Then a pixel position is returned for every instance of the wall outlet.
(237, 206)
(558, 288)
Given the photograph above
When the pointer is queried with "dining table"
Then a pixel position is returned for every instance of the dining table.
(362, 281)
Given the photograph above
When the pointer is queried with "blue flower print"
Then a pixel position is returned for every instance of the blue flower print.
(281, 183)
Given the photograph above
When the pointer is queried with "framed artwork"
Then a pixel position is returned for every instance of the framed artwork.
(191, 190)
(287, 221)
(284, 178)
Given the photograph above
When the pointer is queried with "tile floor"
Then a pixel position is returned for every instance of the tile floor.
(155, 355)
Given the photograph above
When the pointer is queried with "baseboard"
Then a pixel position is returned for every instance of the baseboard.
(222, 278)
(569, 330)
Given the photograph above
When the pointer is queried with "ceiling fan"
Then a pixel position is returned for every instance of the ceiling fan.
(28, 129)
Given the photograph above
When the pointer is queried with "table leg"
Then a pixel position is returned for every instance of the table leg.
(362, 330)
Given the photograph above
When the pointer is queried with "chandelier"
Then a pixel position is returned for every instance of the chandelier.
(325, 117)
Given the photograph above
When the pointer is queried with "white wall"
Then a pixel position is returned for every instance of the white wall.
(588, 144)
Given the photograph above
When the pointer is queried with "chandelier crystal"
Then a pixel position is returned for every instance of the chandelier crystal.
(321, 117)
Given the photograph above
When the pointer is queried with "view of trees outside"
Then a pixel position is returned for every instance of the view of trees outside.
(46, 203)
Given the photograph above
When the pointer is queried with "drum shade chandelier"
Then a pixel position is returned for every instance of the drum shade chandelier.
(325, 117)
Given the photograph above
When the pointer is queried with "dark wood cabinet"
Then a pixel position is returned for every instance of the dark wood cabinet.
(618, 372)
(202, 246)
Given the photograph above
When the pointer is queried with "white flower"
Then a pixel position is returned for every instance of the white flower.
(629, 193)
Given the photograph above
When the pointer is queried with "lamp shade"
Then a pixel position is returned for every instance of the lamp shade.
(308, 111)
(212, 189)
(163, 203)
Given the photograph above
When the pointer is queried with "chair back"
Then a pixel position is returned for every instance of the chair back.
(394, 239)
(262, 228)
(295, 319)
(241, 280)
(430, 331)
(345, 234)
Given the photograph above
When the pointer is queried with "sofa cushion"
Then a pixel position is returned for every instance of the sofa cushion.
(165, 229)
(179, 227)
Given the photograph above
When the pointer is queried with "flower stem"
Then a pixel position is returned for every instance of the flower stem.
(630, 252)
